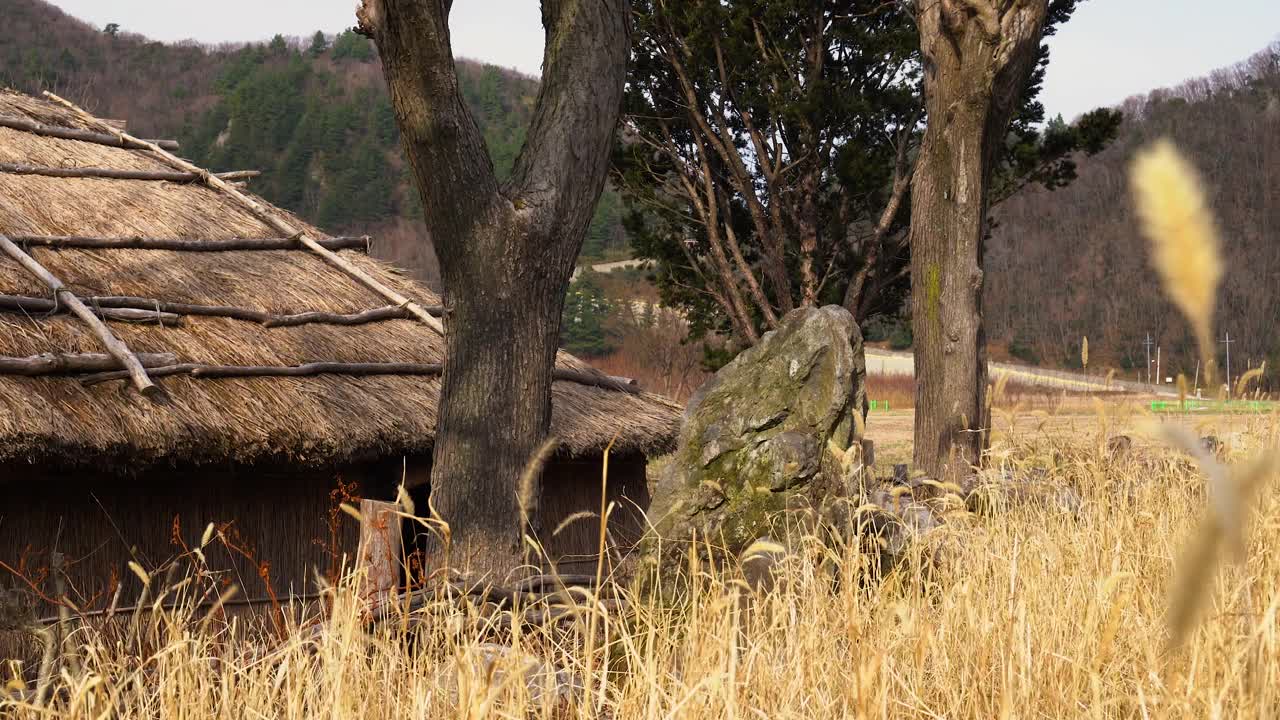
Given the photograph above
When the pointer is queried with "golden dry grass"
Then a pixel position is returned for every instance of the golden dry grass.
(899, 390)
(1034, 614)
(1031, 613)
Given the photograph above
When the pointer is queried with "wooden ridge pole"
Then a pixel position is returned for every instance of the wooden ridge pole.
(117, 174)
(35, 128)
(81, 242)
(198, 370)
(152, 310)
(72, 364)
(45, 306)
(119, 350)
(263, 214)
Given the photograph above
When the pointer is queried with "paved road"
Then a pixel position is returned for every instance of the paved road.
(611, 266)
(890, 362)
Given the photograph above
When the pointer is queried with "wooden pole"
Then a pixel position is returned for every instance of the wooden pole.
(151, 310)
(35, 128)
(124, 301)
(343, 368)
(238, 175)
(64, 242)
(328, 318)
(268, 319)
(71, 364)
(596, 379)
(244, 371)
(113, 173)
(378, 554)
(113, 345)
(268, 217)
(147, 315)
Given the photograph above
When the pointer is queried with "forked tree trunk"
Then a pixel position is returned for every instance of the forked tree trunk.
(506, 251)
(978, 57)
(495, 408)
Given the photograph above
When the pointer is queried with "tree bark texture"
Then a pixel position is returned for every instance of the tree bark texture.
(506, 250)
(978, 56)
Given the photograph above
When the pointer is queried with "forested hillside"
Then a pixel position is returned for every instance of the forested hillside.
(313, 115)
(1071, 263)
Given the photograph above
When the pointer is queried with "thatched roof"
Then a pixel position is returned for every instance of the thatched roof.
(315, 419)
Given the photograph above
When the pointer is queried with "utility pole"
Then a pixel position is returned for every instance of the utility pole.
(1227, 341)
(1148, 344)
(1159, 377)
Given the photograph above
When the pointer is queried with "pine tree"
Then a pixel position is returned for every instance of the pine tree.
(319, 43)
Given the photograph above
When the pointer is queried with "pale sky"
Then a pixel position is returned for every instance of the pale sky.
(1110, 50)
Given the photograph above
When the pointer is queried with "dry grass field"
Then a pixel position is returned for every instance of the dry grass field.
(1026, 613)
(1116, 605)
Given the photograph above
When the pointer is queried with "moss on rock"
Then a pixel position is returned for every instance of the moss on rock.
(756, 435)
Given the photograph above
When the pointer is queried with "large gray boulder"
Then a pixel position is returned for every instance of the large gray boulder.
(755, 437)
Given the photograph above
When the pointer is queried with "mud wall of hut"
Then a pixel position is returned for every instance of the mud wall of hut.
(275, 527)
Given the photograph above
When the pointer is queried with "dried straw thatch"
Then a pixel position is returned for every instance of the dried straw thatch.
(320, 419)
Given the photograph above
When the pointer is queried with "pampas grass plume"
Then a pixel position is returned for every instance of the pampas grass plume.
(1184, 241)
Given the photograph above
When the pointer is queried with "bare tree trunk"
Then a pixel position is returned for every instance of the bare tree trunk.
(978, 57)
(506, 252)
(807, 220)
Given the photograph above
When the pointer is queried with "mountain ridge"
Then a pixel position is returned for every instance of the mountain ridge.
(1080, 250)
(312, 114)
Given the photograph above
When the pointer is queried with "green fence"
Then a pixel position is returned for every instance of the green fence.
(1227, 406)
(879, 404)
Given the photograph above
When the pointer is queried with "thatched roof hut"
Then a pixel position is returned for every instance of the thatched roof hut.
(281, 372)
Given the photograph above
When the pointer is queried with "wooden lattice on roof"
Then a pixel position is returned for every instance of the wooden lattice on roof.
(114, 244)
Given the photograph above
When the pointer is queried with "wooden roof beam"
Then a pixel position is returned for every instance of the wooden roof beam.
(268, 217)
(45, 306)
(80, 242)
(197, 370)
(62, 133)
(115, 174)
(75, 363)
(121, 352)
(141, 309)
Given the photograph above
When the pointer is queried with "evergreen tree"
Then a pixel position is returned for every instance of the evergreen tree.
(350, 45)
(319, 43)
(769, 150)
(584, 324)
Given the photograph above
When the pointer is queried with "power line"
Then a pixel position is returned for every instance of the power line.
(1227, 341)
(1148, 343)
